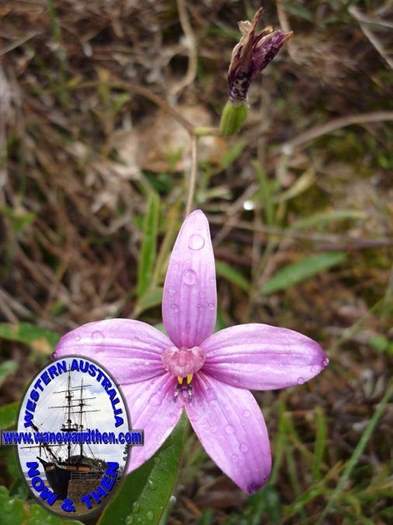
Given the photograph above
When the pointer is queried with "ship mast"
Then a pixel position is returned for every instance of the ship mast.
(75, 406)
(81, 405)
(68, 427)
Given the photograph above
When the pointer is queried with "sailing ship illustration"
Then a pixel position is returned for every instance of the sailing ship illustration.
(71, 462)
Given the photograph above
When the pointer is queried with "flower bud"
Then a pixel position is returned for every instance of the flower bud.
(251, 55)
(233, 117)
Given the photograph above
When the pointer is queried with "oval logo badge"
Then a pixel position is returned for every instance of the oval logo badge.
(74, 436)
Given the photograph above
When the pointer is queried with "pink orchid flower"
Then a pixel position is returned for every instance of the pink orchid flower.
(207, 374)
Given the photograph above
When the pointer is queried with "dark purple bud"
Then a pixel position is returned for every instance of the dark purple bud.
(267, 48)
(252, 54)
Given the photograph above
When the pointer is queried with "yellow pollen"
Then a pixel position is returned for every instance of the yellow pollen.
(189, 378)
(180, 379)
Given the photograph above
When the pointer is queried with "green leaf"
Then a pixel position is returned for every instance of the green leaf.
(265, 193)
(19, 219)
(232, 154)
(144, 494)
(298, 10)
(12, 509)
(381, 344)
(301, 270)
(151, 298)
(8, 415)
(320, 442)
(149, 244)
(322, 218)
(232, 275)
(15, 511)
(39, 339)
(7, 368)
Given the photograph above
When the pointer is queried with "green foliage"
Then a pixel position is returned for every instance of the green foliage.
(19, 219)
(233, 153)
(320, 442)
(381, 344)
(149, 244)
(232, 275)
(39, 339)
(15, 511)
(358, 451)
(7, 368)
(321, 219)
(145, 493)
(262, 507)
(8, 415)
(151, 298)
(301, 270)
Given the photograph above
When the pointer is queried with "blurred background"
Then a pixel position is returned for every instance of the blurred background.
(94, 163)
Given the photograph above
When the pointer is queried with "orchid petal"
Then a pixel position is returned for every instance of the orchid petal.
(190, 297)
(129, 350)
(262, 357)
(231, 428)
(151, 408)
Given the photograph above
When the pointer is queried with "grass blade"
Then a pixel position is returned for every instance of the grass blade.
(149, 244)
(232, 275)
(301, 270)
(359, 449)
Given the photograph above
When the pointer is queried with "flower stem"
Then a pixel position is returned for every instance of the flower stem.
(193, 174)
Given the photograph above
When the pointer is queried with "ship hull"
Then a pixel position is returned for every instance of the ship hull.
(59, 476)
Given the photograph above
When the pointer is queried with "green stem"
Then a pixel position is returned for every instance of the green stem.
(193, 174)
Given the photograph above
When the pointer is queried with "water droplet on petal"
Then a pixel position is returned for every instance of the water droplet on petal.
(235, 458)
(189, 277)
(325, 362)
(196, 242)
(174, 307)
(172, 291)
(300, 380)
(210, 394)
(229, 429)
(246, 413)
(77, 338)
(243, 447)
(97, 336)
(211, 306)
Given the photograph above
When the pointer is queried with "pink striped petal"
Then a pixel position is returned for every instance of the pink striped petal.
(190, 297)
(151, 408)
(129, 350)
(262, 357)
(232, 430)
